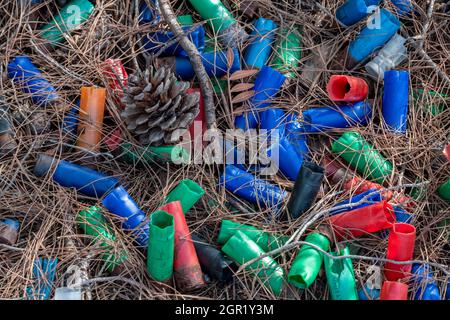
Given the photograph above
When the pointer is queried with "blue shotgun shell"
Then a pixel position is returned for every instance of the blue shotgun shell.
(234, 154)
(373, 198)
(372, 2)
(374, 35)
(12, 223)
(9, 231)
(402, 215)
(153, 42)
(44, 271)
(121, 204)
(447, 292)
(215, 64)
(31, 80)
(267, 84)
(336, 117)
(353, 11)
(289, 161)
(70, 121)
(368, 294)
(395, 100)
(260, 48)
(404, 7)
(250, 188)
(70, 175)
(424, 283)
(295, 133)
(273, 119)
(147, 14)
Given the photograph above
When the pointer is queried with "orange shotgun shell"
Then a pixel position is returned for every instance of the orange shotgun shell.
(92, 109)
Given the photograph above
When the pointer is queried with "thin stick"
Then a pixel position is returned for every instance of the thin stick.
(194, 57)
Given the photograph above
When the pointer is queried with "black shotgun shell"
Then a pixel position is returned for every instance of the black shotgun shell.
(212, 261)
(306, 188)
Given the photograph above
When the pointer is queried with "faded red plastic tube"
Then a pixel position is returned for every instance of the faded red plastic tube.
(392, 290)
(355, 184)
(358, 222)
(347, 88)
(331, 169)
(187, 271)
(400, 248)
(359, 185)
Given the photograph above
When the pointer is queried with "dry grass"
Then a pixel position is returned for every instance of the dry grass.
(47, 211)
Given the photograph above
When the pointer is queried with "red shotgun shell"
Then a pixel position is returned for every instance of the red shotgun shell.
(359, 185)
(198, 127)
(347, 88)
(117, 76)
(114, 139)
(400, 248)
(446, 151)
(118, 79)
(187, 271)
(392, 290)
(405, 201)
(358, 222)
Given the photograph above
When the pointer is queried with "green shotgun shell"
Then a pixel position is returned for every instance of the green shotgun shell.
(418, 192)
(219, 85)
(211, 45)
(288, 52)
(341, 276)
(265, 240)
(69, 18)
(167, 154)
(218, 16)
(185, 20)
(444, 190)
(93, 223)
(354, 149)
(222, 22)
(187, 192)
(307, 263)
(161, 246)
(242, 249)
(437, 104)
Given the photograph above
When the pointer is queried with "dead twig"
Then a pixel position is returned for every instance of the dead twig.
(194, 57)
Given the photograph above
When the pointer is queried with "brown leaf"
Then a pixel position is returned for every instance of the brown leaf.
(242, 74)
(243, 96)
(242, 87)
(230, 57)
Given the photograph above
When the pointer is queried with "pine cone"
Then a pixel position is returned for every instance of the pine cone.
(157, 104)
